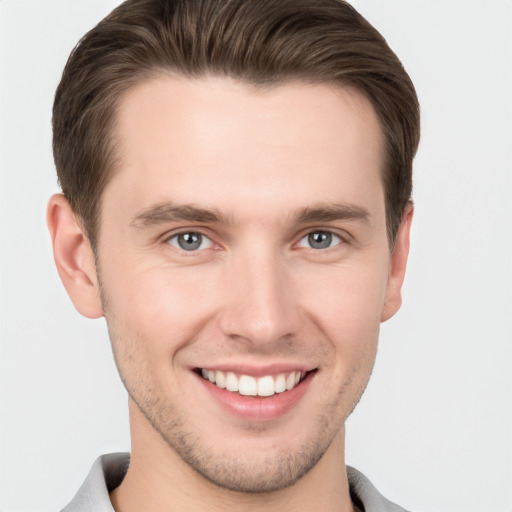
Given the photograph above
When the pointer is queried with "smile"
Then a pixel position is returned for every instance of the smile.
(247, 385)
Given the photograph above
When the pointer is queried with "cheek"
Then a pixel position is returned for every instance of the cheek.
(150, 317)
(158, 305)
(352, 293)
(348, 308)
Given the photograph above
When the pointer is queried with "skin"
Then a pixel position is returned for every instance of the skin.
(256, 293)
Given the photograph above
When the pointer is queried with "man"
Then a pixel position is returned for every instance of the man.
(236, 182)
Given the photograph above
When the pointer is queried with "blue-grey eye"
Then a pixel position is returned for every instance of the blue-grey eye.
(320, 240)
(190, 241)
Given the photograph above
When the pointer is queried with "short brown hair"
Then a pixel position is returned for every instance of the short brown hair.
(262, 42)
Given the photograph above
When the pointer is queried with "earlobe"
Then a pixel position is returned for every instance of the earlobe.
(74, 257)
(398, 265)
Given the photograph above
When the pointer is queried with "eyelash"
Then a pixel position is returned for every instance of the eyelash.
(176, 236)
(331, 237)
(326, 233)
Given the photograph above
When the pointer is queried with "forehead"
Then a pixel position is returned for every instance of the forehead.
(215, 137)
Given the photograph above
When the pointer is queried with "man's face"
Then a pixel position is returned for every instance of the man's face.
(244, 238)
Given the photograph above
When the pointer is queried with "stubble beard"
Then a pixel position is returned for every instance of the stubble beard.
(238, 473)
(243, 472)
(252, 473)
(247, 472)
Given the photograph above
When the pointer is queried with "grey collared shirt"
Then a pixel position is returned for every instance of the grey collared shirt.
(109, 470)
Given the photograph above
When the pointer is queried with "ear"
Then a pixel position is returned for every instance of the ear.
(74, 257)
(398, 265)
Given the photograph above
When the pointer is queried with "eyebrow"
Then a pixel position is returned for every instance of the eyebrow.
(332, 212)
(167, 212)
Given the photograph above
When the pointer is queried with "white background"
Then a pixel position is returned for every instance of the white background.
(434, 430)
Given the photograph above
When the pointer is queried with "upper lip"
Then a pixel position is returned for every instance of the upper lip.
(258, 370)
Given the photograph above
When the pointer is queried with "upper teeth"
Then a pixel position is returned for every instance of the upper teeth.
(251, 386)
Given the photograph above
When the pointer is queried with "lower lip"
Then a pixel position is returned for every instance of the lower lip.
(256, 408)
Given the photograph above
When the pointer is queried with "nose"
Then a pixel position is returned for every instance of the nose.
(259, 305)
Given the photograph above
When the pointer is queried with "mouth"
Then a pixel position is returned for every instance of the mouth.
(256, 394)
(247, 385)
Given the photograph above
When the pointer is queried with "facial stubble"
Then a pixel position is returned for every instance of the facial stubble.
(238, 473)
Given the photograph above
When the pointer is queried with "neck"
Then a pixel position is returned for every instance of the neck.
(159, 480)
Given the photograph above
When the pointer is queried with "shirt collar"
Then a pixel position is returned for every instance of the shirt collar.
(109, 470)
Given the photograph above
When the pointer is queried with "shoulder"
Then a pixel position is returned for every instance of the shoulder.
(366, 496)
(106, 474)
